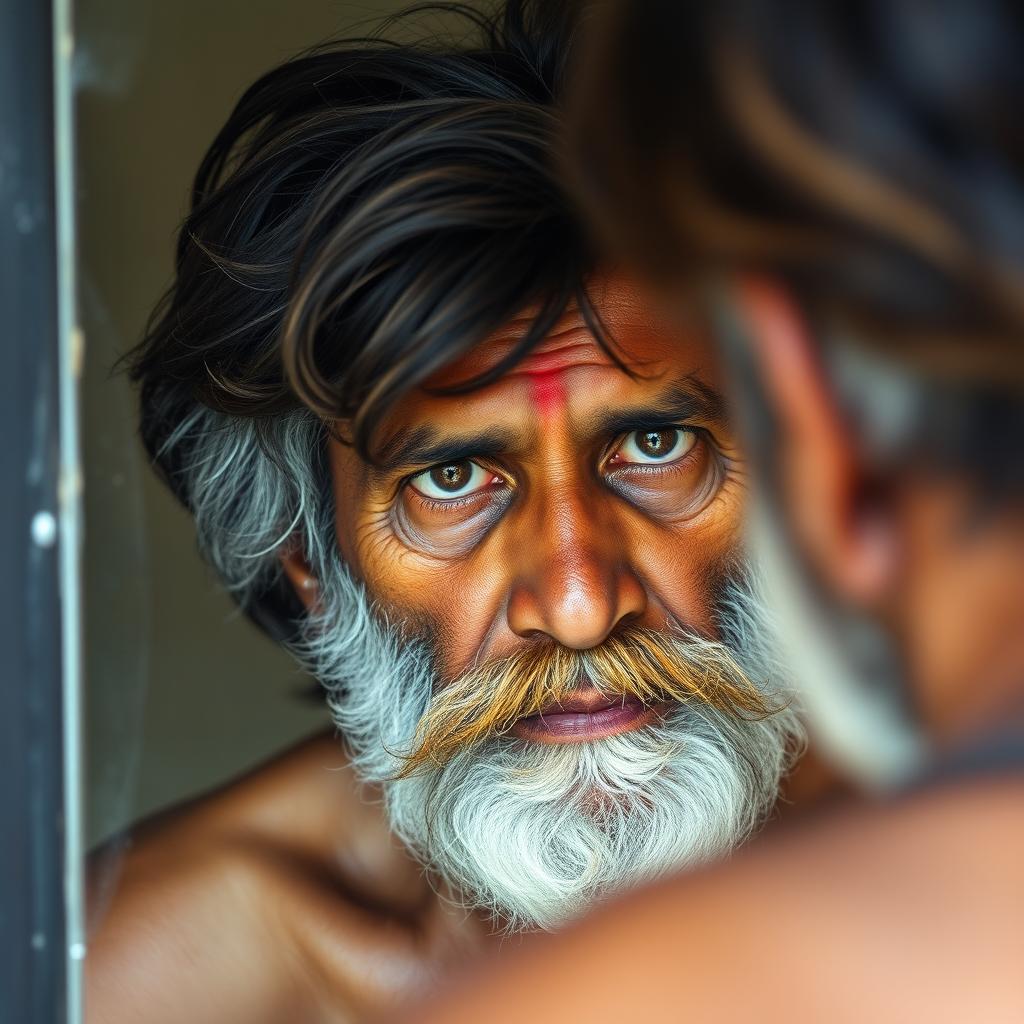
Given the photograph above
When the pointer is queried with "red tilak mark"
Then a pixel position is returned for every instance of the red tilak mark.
(547, 390)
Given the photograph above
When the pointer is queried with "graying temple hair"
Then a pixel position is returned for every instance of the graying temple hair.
(253, 492)
(253, 489)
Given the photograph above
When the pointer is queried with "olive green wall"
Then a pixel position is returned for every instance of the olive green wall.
(182, 692)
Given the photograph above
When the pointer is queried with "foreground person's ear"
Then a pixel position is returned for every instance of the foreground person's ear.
(828, 491)
(301, 577)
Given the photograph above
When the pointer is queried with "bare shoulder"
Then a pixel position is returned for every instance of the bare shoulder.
(277, 796)
(306, 802)
(240, 905)
(907, 910)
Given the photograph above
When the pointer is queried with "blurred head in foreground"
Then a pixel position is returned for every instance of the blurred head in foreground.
(843, 186)
(456, 463)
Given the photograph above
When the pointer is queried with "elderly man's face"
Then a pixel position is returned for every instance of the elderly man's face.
(576, 696)
(563, 502)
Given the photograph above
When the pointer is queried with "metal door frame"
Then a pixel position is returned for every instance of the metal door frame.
(41, 940)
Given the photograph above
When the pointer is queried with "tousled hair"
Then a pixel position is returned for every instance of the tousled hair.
(868, 154)
(369, 211)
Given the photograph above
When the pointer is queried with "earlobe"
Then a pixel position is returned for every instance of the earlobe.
(301, 577)
(827, 489)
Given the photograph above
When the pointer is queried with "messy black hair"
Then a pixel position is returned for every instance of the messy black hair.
(369, 211)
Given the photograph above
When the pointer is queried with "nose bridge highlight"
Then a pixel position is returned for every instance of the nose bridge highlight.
(572, 581)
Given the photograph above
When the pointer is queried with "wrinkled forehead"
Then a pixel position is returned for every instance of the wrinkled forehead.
(641, 337)
(568, 376)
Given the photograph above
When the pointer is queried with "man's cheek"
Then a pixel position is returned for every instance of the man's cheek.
(468, 612)
(686, 576)
(458, 608)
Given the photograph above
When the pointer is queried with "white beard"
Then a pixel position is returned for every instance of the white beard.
(533, 833)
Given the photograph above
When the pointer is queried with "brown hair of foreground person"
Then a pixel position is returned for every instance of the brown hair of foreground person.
(844, 183)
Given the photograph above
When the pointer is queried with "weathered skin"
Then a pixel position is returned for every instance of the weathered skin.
(570, 558)
(284, 897)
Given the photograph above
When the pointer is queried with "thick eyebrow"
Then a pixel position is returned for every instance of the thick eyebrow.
(687, 399)
(426, 446)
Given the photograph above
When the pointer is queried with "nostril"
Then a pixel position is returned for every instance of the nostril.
(534, 635)
(629, 618)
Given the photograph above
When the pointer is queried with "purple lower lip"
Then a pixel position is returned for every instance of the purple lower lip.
(568, 727)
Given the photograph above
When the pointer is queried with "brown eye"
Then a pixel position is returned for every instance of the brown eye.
(658, 445)
(452, 479)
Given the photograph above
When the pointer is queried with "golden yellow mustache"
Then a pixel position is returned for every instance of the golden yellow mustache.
(643, 664)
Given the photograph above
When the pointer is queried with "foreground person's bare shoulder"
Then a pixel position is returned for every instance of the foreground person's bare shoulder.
(905, 912)
(282, 896)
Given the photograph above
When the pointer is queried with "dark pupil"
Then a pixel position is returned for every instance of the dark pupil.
(655, 442)
(451, 477)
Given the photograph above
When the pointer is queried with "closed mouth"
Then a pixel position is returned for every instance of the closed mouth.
(586, 714)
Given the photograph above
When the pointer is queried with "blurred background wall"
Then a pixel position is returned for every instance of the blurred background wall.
(182, 691)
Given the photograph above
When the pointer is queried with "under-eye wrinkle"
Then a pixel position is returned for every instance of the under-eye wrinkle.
(673, 491)
(458, 524)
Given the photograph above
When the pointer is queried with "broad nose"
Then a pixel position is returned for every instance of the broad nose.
(572, 579)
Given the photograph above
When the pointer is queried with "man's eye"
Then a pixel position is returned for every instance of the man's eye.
(452, 480)
(652, 446)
